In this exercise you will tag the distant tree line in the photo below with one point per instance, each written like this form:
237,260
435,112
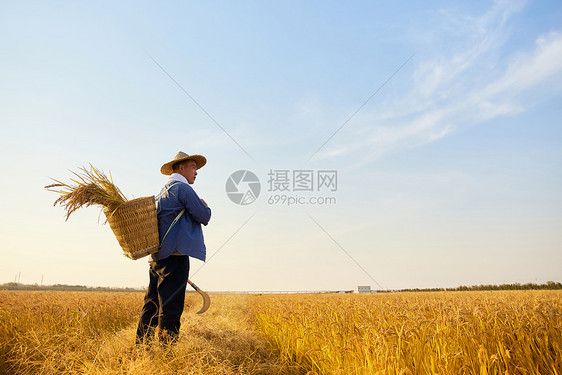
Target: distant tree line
549,285
64,287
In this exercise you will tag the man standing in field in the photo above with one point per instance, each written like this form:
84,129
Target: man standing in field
180,214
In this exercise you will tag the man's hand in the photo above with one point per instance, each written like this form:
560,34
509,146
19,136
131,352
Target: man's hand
205,203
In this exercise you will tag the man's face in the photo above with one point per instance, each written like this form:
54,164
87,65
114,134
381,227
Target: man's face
189,171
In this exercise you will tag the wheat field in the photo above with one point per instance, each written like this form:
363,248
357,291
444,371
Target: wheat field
515,332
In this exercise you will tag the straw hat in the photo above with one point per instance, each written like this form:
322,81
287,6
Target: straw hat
199,160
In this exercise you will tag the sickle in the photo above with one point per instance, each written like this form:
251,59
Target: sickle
206,298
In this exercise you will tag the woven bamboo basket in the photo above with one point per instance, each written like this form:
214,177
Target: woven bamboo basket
135,226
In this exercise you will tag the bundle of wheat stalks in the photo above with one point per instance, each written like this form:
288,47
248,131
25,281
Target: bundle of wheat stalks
92,187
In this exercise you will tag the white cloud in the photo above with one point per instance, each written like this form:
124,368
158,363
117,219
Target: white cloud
530,69
469,86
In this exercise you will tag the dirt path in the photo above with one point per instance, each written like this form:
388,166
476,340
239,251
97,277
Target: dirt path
221,341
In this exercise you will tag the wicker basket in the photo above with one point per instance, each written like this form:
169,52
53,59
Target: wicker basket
135,226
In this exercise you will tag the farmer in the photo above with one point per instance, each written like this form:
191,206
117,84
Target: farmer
181,237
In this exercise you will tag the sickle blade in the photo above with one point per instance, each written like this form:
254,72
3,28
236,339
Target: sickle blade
206,302
206,298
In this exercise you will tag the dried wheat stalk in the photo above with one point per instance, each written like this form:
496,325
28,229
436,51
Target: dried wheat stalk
92,187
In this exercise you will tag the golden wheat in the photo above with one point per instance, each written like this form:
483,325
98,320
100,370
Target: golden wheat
40,330
511,333
418,333
94,333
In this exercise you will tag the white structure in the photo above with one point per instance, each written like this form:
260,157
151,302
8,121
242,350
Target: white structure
363,289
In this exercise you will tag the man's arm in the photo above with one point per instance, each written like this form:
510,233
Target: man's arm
195,206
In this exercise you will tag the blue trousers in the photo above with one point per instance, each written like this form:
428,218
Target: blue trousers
164,299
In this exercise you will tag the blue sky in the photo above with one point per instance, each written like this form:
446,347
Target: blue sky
448,175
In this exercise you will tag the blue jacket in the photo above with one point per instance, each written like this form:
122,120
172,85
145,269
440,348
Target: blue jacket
186,236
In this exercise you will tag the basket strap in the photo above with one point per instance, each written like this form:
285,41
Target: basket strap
168,188
173,222
177,217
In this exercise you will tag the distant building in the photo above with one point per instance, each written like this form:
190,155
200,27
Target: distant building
363,289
